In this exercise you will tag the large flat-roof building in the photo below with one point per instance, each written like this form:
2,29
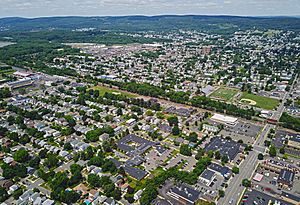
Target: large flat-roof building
293,199
19,83
221,170
294,142
224,119
226,147
184,194
134,145
207,177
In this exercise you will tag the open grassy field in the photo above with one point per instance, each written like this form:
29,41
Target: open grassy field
103,90
261,102
224,93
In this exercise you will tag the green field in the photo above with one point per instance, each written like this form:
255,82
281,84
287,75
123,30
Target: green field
103,90
261,102
224,93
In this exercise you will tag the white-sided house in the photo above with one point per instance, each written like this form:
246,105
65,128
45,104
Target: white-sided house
210,128
130,122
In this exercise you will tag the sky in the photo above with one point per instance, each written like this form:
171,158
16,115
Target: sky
38,8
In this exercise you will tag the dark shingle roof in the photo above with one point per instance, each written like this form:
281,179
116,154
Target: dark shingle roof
226,147
136,173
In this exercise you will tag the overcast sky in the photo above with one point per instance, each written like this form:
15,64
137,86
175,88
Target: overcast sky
36,8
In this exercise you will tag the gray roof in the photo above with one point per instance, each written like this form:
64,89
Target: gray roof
116,162
226,147
290,196
295,138
286,176
186,192
144,144
207,90
220,169
207,174
136,173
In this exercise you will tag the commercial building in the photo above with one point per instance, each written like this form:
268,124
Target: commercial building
224,119
207,177
221,170
226,147
20,83
286,178
294,142
184,194
290,198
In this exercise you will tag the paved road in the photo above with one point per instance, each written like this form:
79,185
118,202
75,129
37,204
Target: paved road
247,168
37,184
263,135
278,113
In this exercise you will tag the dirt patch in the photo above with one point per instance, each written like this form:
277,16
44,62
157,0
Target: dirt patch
248,101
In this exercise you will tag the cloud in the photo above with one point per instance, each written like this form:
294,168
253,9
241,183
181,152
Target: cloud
32,8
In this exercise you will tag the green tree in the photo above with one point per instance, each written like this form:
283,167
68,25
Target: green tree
175,130
246,183
173,120
94,180
193,137
21,155
119,112
69,197
221,193
200,153
68,146
272,151
35,162
51,161
75,168
235,170
3,194
185,150
224,159
217,155
148,195
260,156
16,194
281,150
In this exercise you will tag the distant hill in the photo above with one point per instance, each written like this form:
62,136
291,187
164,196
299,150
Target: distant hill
155,23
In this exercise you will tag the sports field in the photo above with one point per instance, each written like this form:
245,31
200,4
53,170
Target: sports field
224,93
103,90
260,101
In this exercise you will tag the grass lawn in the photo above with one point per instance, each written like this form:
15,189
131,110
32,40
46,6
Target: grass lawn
157,171
224,93
103,90
137,185
262,102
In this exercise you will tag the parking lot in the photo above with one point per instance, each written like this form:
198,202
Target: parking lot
268,184
254,197
153,160
187,163
210,192
246,132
